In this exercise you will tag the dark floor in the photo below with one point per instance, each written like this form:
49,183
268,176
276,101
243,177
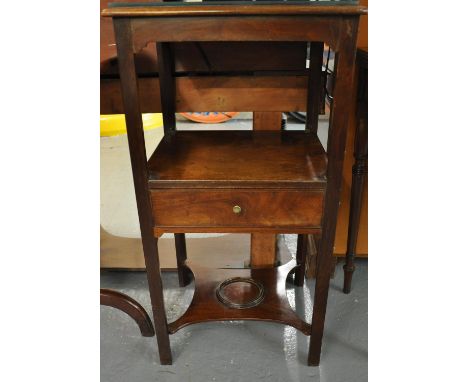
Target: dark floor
236,351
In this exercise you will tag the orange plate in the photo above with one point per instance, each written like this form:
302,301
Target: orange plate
210,116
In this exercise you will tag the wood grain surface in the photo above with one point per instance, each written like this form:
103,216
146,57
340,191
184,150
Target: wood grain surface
243,159
214,208
215,93
234,10
206,307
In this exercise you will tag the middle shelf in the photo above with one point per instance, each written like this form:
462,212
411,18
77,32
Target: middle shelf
272,159
238,181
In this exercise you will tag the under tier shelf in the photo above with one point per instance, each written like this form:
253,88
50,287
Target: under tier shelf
270,301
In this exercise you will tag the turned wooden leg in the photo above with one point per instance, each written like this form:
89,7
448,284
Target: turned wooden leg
131,307
358,180
181,254
359,174
300,259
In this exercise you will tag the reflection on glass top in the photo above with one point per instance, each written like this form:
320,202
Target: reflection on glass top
235,2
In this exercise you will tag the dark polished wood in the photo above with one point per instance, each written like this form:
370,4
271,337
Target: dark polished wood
177,165
131,307
314,103
277,192
221,93
238,57
228,28
314,92
359,171
344,70
263,250
270,121
263,246
300,258
136,143
181,255
234,10
311,257
277,209
160,230
167,82
206,307
243,159
237,60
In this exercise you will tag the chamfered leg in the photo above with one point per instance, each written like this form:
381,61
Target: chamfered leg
136,140
341,109
313,108
314,85
181,255
300,259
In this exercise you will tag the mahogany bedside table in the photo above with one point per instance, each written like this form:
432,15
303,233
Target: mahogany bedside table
236,181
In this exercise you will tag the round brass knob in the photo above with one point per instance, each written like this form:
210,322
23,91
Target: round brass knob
237,209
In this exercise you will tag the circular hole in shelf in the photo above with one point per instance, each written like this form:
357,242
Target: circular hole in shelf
240,293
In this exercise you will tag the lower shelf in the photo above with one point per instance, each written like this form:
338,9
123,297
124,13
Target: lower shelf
259,294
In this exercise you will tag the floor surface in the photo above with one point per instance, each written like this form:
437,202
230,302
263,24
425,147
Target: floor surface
236,351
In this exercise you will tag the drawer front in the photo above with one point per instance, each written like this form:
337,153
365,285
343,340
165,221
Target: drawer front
236,208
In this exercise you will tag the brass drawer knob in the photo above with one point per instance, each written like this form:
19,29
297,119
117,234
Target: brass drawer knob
237,209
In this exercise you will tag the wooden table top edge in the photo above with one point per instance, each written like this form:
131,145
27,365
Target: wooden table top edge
235,10
312,185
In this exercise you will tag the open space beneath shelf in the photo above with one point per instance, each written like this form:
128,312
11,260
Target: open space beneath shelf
238,159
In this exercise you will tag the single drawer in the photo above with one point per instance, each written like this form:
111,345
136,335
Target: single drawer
230,208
